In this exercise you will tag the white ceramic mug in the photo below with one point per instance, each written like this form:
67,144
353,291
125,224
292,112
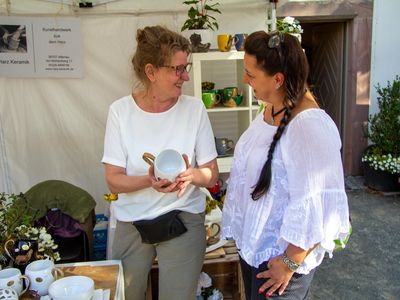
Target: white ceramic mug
12,278
167,165
41,274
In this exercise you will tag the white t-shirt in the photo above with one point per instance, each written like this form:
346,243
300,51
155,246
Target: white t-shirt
131,131
306,203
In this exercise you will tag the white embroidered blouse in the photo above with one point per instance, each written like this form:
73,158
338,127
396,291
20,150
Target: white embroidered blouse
306,203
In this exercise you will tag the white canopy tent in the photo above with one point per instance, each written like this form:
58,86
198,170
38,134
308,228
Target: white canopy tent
52,128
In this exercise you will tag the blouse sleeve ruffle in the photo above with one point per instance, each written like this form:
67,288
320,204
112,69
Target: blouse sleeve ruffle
317,211
321,218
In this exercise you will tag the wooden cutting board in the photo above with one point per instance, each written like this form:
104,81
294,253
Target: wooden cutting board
220,252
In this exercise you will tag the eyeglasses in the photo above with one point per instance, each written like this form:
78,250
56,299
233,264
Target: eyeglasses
179,70
274,42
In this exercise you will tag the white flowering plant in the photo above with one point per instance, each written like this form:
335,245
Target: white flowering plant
289,25
383,162
205,289
46,247
384,130
18,233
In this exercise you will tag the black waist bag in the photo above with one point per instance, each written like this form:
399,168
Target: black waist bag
161,229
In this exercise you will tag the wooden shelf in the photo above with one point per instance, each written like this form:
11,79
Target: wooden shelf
225,69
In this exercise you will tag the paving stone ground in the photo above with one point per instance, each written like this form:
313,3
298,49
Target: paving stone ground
369,267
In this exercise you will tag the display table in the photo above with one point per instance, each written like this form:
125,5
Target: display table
222,265
107,274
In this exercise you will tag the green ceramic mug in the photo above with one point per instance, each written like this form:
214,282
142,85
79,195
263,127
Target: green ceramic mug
210,99
211,91
230,92
238,99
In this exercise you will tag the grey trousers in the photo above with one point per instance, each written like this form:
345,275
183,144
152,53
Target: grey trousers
180,260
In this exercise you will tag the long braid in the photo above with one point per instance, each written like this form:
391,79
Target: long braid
289,59
264,181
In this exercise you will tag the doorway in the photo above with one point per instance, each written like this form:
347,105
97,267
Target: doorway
324,45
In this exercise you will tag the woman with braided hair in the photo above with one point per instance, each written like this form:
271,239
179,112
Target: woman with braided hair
286,202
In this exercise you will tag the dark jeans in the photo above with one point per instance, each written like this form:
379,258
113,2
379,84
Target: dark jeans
297,288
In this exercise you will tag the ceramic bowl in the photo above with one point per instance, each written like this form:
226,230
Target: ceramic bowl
72,288
168,164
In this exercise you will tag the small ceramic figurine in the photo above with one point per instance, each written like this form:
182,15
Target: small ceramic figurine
30,295
197,46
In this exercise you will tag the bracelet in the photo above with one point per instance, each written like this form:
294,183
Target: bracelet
292,265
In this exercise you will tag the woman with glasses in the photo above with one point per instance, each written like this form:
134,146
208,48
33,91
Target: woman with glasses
285,202
156,117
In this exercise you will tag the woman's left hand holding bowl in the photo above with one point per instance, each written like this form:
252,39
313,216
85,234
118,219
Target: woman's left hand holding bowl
162,185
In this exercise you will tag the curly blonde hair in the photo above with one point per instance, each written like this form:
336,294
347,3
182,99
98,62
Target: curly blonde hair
156,45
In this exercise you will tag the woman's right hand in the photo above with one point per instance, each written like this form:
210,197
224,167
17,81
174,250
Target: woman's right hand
162,185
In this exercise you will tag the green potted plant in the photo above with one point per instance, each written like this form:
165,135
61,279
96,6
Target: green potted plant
381,160
200,21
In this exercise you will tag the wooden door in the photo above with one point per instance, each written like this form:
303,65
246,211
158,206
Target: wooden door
326,68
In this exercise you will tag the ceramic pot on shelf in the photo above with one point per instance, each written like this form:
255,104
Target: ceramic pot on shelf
200,39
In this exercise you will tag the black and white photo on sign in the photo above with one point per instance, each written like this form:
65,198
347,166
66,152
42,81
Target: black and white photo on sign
13,38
